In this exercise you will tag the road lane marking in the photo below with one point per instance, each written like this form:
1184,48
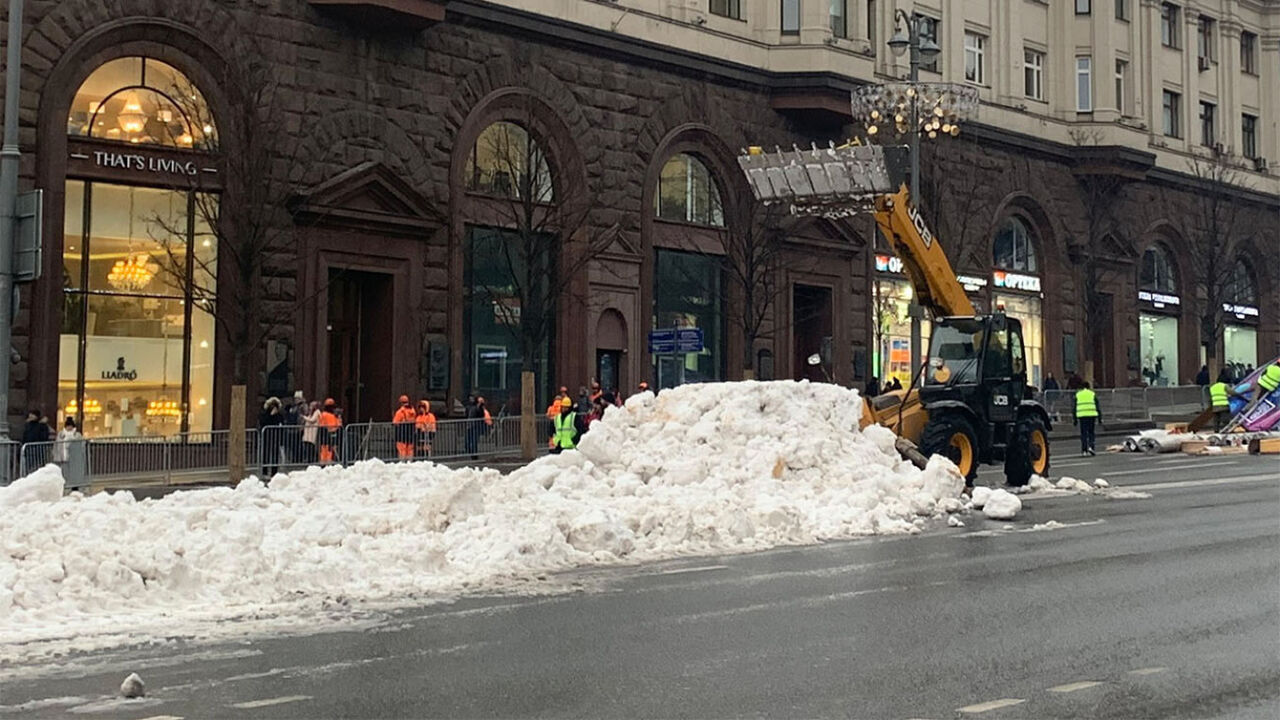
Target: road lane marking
1147,671
993,705
681,571
1164,468
270,701
162,717
1202,483
1072,687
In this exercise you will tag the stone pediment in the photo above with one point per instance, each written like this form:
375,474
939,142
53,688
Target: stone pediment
368,195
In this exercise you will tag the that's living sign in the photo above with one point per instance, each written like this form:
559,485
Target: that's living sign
144,163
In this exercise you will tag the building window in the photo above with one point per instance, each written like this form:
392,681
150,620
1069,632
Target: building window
727,8
1122,9
139,264
1084,7
688,193
1122,69
928,29
871,24
1169,25
687,294
1249,135
1033,74
1204,40
1208,136
839,14
790,17
506,162
1249,53
1172,114
1013,248
1084,84
974,65
1240,287
1157,272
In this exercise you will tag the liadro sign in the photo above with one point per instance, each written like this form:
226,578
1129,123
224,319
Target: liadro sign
117,162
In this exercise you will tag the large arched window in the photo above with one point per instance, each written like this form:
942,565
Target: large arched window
1240,288
1014,249
141,101
139,253
507,162
688,193
1158,272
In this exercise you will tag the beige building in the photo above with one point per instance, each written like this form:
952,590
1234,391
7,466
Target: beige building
1170,78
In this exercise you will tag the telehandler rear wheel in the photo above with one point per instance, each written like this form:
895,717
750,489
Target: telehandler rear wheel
952,436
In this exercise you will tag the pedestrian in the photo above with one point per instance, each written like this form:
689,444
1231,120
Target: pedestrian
1267,382
596,392
1050,383
293,417
1202,377
643,387
329,423
1220,394
477,421
425,425
896,385
566,428
311,433
36,430
271,423
68,452
554,408
584,401
597,412
1087,413
873,387
404,422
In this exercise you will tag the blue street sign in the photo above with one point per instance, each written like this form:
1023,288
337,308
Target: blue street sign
662,341
689,340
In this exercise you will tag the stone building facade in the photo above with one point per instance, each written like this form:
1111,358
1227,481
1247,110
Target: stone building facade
359,164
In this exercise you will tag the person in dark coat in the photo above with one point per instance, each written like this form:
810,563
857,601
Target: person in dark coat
1202,377
475,426
1050,382
271,422
873,386
36,430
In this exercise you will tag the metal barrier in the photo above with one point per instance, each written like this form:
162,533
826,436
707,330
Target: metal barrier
1130,403
11,457
450,440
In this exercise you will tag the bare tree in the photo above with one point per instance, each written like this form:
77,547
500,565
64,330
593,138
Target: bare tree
542,239
1216,224
954,200
754,261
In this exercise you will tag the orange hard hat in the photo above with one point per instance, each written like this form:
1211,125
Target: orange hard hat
567,402
644,386
329,401
404,399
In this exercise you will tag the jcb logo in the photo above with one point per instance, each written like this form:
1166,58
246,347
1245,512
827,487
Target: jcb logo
921,228
1000,400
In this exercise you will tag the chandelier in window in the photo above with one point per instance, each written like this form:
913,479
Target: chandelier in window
132,118
933,108
133,273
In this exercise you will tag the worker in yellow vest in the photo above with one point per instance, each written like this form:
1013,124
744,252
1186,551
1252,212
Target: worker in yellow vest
567,427
1269,381
1220,394
1087,414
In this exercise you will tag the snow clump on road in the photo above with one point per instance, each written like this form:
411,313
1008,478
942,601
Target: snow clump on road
1001,505
699,469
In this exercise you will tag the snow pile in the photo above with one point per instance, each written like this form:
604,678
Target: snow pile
729,467
1001,505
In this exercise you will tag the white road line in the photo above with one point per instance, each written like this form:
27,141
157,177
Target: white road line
1077,463
162,717
1072,687
1147,671
1165,468
1201,483
270,701
993,705
681,571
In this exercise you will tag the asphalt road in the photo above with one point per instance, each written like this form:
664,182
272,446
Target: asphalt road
1166,607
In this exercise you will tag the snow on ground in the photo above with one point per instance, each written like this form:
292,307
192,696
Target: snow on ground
699,469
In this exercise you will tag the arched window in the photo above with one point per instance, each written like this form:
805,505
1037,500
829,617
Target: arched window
1014,249
507,162
1158,272
688,193
144,102
1240,289
139,253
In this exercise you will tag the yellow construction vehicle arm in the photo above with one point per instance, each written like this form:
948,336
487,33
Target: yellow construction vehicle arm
922,256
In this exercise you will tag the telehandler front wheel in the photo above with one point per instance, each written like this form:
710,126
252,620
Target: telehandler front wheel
953,437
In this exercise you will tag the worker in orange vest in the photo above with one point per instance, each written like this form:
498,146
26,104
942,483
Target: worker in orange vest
426,425
329,425
404,422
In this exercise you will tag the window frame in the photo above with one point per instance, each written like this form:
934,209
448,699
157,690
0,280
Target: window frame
1208,123
1204,39
1085,73
1084,7
1169,35
931,25
1171,114
1158,252
1019,230
839,23
1249,53
978,53
794,6
1249,135
1122,10
715,215
1122,71
731,9
1033,71
533,152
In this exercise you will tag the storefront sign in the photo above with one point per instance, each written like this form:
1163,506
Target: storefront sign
971,283
114,162
143,163
1240,311
889,264
1158,300
1014,281
120,373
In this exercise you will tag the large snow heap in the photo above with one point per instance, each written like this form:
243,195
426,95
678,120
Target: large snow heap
698,469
